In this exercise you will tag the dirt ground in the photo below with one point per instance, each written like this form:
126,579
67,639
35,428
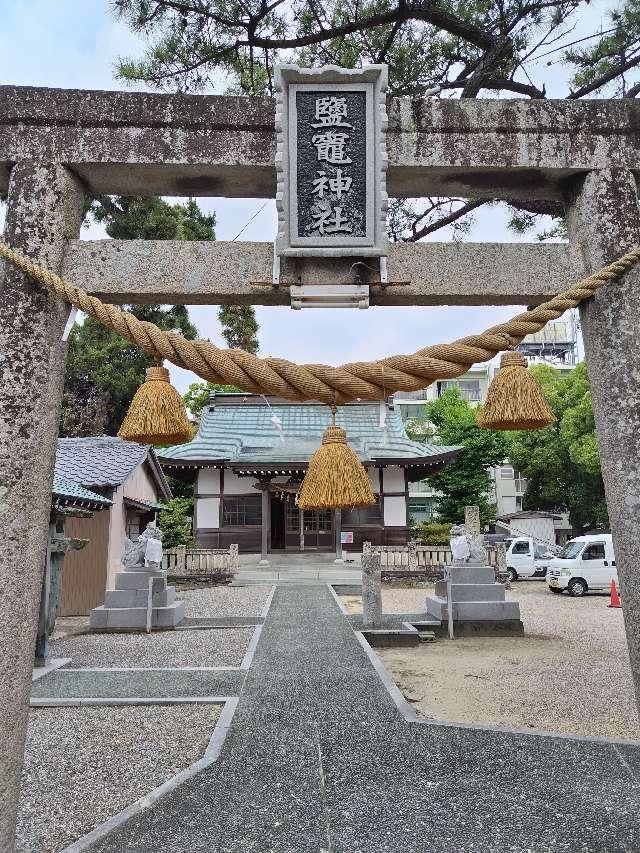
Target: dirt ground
569,672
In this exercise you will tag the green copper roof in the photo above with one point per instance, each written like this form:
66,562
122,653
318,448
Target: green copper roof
254,432
69,492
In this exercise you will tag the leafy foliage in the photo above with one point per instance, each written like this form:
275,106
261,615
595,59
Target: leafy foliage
197,396
466,481
431,533
562,462
609,57
176,522
104,371
136,218
464,49
239,327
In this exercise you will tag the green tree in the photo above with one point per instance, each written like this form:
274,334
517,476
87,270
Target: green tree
431,533
176,523
467,480
239,327
197,396
562,463
477,48
104,371
136,218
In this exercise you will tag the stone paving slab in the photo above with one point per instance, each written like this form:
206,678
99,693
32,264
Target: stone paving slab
137,684
319,758
263,795
417,787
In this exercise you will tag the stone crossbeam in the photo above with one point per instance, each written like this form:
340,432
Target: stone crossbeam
140,143
192,273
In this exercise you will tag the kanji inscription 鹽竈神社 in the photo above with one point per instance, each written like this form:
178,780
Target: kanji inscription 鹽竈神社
331,161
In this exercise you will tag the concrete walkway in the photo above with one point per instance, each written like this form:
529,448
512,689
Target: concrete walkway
319,758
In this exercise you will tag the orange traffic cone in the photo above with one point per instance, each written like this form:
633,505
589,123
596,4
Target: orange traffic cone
615,598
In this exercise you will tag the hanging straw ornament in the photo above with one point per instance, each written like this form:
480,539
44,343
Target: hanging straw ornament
335,477
157,414
515,399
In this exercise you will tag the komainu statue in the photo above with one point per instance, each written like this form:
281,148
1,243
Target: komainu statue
146,552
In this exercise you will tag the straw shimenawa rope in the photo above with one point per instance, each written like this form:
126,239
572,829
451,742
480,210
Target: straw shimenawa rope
373,380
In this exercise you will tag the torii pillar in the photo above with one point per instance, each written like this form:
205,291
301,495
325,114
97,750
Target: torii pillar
44,211
603,219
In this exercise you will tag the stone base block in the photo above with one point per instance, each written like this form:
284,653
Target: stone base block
391,639
503,628
471,591
474,611
138,597
472,574
135,618
137,580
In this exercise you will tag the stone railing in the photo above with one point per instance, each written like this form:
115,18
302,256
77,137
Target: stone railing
415,557
204,563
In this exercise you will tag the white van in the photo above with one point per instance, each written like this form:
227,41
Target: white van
527,558
585,563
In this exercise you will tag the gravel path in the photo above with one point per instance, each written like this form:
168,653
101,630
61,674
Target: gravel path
83,765
224,601
569,673
218,647
401,600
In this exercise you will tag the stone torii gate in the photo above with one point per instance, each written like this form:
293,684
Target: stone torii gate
58,145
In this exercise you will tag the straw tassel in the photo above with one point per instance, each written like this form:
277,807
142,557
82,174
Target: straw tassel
515,400
335,477
157,413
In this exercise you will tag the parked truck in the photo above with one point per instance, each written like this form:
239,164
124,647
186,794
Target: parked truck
527,558
586,563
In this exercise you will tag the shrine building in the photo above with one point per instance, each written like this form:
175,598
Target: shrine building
249,457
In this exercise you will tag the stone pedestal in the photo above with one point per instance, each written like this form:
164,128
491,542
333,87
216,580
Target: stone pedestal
477,600
125,607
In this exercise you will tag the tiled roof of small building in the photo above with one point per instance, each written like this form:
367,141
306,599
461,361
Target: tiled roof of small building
271,434
69,492
104,461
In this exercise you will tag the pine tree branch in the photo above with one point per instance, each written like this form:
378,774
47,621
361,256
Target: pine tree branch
427,12
419,233
605,78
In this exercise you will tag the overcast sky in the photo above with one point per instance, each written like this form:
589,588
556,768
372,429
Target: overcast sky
53,43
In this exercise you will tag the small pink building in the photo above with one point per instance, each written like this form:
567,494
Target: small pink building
130,476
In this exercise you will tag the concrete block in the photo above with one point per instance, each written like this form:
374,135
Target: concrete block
138,597
98,619
471,591
127,617
168,617
472,574
503,628
474,611
137,580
